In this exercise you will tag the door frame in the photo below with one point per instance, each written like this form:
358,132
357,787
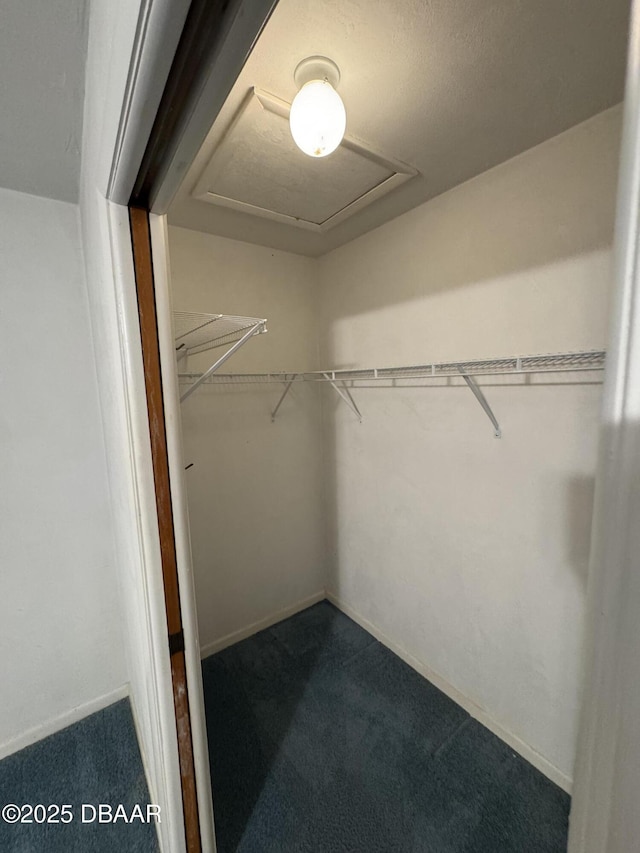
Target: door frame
187,701
173,422
216,34
607,746
604,815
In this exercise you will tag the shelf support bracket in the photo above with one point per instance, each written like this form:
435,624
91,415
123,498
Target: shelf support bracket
284,394
477,392
253,330
345,394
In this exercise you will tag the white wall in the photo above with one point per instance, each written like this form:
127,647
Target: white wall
256,488
60,626
470,553
42,56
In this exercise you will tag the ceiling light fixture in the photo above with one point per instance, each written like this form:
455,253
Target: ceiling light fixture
317,119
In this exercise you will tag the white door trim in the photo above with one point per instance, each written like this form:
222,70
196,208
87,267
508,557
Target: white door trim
141,583
605,817
160,24
173,425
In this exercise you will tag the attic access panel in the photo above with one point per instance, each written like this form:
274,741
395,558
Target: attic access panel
258,169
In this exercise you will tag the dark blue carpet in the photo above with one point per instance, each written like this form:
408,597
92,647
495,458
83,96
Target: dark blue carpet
94,761
323,740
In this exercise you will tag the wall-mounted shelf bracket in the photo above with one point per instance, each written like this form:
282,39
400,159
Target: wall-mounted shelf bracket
477,392
287,387
197,333
344,394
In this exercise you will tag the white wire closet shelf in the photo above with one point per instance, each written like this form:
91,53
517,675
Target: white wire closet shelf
552,363
198,332
344,380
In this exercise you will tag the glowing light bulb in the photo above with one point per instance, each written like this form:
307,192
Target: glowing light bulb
317,119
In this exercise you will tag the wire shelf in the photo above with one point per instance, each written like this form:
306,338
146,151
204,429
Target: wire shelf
195,332
551,363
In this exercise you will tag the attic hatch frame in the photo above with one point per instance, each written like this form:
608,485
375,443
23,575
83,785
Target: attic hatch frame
218,36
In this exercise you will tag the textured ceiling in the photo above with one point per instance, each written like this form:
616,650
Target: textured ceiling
256,167
42,57
450,87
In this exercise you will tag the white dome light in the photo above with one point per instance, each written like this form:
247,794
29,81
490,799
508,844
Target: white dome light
317,119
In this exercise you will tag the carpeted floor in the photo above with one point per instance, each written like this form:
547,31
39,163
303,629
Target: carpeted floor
322,740
94,761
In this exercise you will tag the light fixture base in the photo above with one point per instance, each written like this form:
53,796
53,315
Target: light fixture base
316,68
